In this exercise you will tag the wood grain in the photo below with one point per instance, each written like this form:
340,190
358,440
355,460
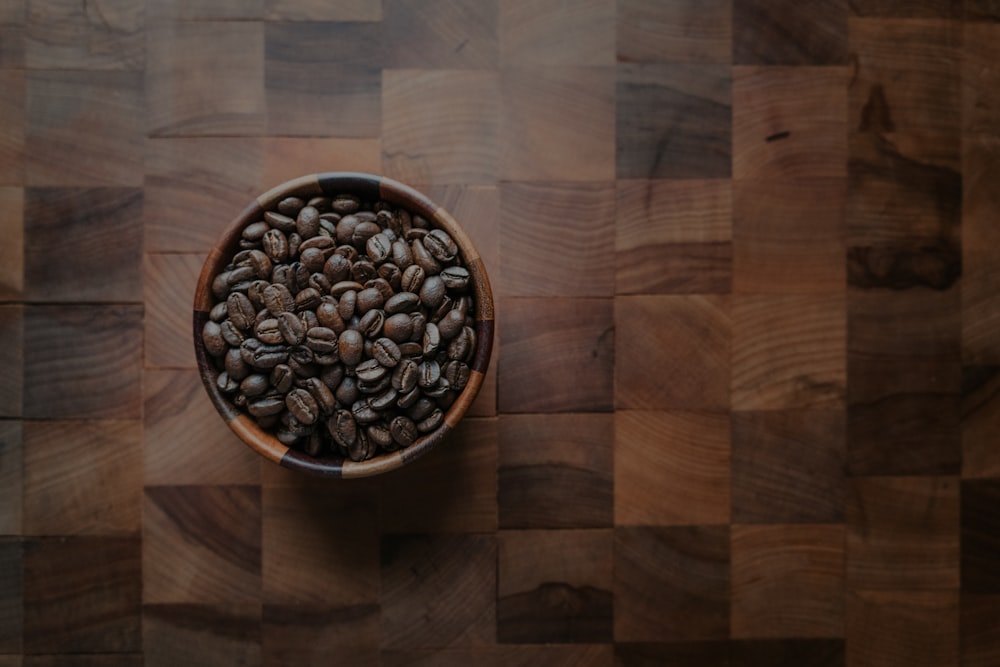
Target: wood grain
80,244
980,421
441,34
12,329
980,104
303,635
13,17
71,36
981,10
11,595
944,9
673,236
322,10
980,257
896,628
12,114
980,634
556,33
168,283
903,533
285,158
82,478
681,32
555,586
980,535
787,652
11,476
555,239
787,581
671,468
201,635
766,32
557,655
193,10
556,471
677,654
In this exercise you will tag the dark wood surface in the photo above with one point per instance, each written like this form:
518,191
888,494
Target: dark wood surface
744,405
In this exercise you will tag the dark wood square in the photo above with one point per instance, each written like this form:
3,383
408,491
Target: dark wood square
693,140
693,653
546,459
787,653
903,533
557,32
671,583
83,660
918,628
305,635
980,254
169,280
539,142
980,630
673,236
687,31
201,635
981,536
545,597
504,655
12,330
561,247
95,115
456,485
322,10
788,466
12,115
195,10
12,251
672,352
59,378
561,355
981,10
82,244
67,462
201,544
787,581
441,34
905,377
13,17
463,150
205,78
786,32
63,35
11,594
671,468
438,590
980,102
65,612
313,68
919,9
11,476
790,122
789,236
980,421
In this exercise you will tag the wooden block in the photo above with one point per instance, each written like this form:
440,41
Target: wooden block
788,351
981,10
66,461
302,635
84,128
788,466
13,17
677,654
907,78
71,36
314,68
790,122
693,141
673,237
200,635
194,10
671,468
12,250
95,377
903,533
12,111
788,236
672,352
201,544
438,590
561,655
671,583
980,102
82,244
554,32
323,10
787,581
555,471
84,660
679,32
980,421
286,158
560,355
11,477
464,150
441,34
185,439
980,630
557,123
194,187
897,628
903,398
943,9
66,611
331,534
456,484
554,586
12,358
980,254
787,652
561,247
11,595
980,536
168,282
205,78
766,32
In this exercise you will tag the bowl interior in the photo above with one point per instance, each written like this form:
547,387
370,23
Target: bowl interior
371,188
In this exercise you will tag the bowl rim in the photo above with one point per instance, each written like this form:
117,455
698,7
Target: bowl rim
366,186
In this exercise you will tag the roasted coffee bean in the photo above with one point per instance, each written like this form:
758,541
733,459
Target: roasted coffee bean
457,374
279,221
291,328
347,391
409,398
313,259
284,436
290,205
314,445
432,339
384,399
342,428
460,347
322,340
345,229
404,430
260,263
255,231
332,375
269,332
350,345
326,313
404,302
380,434
320,242
398,327
455,277
308,299
259,355
283,274
432,292
307,222
370,371
391,274
451,324
302,370
211,335
419,327
233,336
349,252
278,299
219,312
345,204
447,399
428,373
371,324
412,279
362,449
240,310
275,245
441,246
411,349
386,352
234,364
369,298
226,384
438,390
319,201
301,355
420,409
375,386
302,406
402,256
363,270
364,231
423,258
256,293
431,422
321,394
320,283
337,268
281,378
268,405
339,289
254,385
347,304
363,412
378,247
405,375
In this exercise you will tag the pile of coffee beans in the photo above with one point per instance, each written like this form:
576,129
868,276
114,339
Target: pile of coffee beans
343,326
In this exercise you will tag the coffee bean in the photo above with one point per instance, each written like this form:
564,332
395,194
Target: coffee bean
342,287
455,277
313,259
268,405
363,412
379,434
326,313
269,332
457,374
386,352
403,430
383,400
234,364
461,347
314,445
307,222
240,310
332,375
302,406
378,247
404,302
372,323
281,378
342,428
432,292
364,231
345,204
370,371
322,340
321,394
432,339
440,245
405,375
428,373
423,258
259,355
412,279
347,304
420,409
369,298
337,268
284,274
307,299
350,345
431,422
409,398
451,324
411,349
232,335
290,205
363,270
279,221
255,231
226,384
362,449
211,335
398,327
275,244
254,385
291,328
278,299
375,386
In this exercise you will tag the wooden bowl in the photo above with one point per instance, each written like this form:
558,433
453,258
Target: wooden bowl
367,187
